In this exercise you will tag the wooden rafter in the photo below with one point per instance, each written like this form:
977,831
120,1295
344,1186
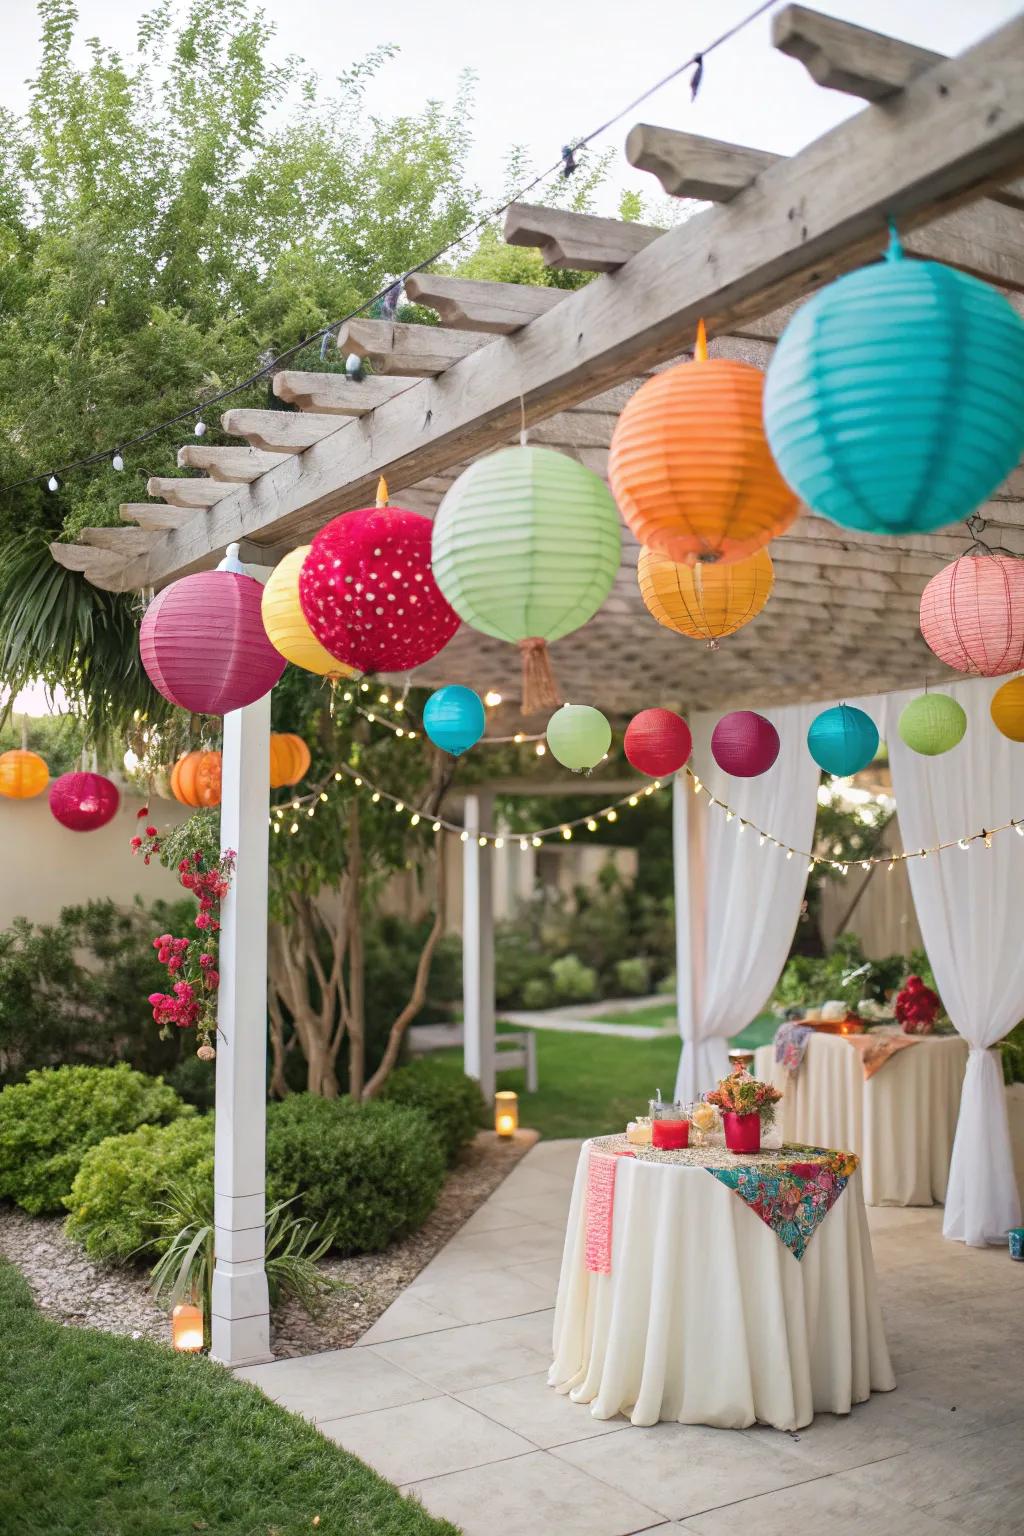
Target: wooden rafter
418,350
468,305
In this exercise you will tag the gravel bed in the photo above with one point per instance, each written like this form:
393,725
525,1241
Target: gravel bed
74,1290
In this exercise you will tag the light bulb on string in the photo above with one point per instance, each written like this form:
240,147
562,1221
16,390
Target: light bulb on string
414,819
436,827
200,428
523,845
537,842
117,462
591,825
540,749
482,841
492,698
375,797
499,842
567,833
464,837
53,484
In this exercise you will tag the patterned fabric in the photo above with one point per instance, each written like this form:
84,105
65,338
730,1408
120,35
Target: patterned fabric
601,1168
875,1049
793,1192
790,1045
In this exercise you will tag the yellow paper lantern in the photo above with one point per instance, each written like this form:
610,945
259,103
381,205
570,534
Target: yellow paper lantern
1007,709
289,758
286,626
705,601
22,774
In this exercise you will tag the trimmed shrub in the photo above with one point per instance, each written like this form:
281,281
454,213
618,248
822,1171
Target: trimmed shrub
117,1199
49,1122
633,977
574,981
538,993
371,1172
452,1102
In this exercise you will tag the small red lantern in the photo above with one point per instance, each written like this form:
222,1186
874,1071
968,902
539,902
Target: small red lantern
972,614
657,742
203,644
82,802
368,592
744,744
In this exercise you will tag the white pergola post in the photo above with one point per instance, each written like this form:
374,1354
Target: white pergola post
240,1323
688,895
478,945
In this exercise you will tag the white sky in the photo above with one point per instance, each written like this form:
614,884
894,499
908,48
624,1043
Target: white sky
550,70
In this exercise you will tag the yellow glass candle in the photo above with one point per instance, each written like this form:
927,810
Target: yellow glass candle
187,1328
506,1114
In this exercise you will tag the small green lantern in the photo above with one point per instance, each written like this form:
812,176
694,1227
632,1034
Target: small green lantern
932,724
578,736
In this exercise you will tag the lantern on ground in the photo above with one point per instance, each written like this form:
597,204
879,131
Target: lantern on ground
705,602
526,546
82,802
690,465
972,614
506,1113
285,622
203,644
744,744
368,591
842,740
895,398
196,778
187,1328
23,774
932,724
657,742
454,719
578,736
289,758
1007,709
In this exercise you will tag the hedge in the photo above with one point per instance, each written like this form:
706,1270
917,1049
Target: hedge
454,1104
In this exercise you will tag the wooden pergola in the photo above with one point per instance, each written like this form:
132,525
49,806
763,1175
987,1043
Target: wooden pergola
936,148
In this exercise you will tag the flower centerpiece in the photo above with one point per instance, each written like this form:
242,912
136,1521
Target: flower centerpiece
745,1104
916,1007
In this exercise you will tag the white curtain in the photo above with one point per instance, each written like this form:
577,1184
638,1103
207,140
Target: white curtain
737,903
970,906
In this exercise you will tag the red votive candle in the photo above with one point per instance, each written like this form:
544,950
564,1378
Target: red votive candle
670,1135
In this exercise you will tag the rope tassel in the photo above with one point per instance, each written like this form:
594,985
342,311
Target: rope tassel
540,687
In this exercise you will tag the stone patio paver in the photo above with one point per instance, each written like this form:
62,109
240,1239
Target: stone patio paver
446,1395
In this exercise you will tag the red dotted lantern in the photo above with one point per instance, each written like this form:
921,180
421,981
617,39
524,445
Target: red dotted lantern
84,801
744,744
657,742
203,644
368,592
972,614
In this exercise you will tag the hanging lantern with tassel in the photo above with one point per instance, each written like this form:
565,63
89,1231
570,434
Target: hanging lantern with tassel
368,592
690,465
285,622
526,546
705,602
972,614
578,737
23,774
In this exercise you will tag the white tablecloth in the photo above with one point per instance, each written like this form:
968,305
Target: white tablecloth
900,1122
707,1317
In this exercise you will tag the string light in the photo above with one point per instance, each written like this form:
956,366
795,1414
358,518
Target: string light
117,462
492,698
200,428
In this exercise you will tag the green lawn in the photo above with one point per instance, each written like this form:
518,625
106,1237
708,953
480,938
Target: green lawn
109,1436
655,1015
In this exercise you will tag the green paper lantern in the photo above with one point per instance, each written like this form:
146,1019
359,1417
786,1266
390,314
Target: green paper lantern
578,736
932,724
525,548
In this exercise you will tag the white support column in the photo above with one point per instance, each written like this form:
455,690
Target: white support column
478,946
688,894
241,1311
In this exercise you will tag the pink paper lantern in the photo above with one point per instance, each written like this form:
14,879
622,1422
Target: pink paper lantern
744,744
657,742
203,644
83,801
368,592
972,614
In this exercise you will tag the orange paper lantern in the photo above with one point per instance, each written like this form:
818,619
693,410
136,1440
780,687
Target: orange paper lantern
195,778
1007,709
22,774
690,465
705,601
289,759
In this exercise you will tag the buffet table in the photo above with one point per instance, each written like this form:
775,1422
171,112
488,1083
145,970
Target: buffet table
901,1122
678,1301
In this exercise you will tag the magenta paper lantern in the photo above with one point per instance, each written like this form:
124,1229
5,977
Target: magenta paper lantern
972,614
83,801
203,644
744,744
368,592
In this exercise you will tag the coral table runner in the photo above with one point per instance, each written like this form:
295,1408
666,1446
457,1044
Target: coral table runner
876,1049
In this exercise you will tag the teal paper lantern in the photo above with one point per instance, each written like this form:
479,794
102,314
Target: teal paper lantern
895,400
454,719
932,724
842,740
578,736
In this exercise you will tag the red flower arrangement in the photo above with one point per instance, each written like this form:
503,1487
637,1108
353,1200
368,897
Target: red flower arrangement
191,964
916,1007
741,1094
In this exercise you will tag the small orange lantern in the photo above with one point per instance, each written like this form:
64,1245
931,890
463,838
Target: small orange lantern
187,1328
195,778
22,774
690,465
506,1113
705,601
289,759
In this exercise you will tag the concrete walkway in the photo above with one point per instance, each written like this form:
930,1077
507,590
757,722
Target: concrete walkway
446,1396
577,1019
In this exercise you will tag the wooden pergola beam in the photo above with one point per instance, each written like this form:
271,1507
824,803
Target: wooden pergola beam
151,515
284,432
578,241
335,394
184,492
688,165
467,304
421,351
237,465
843,57
946,136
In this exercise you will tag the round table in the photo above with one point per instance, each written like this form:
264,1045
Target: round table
706,1316
900,1122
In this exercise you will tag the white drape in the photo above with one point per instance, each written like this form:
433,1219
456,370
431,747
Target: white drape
970,906
737,903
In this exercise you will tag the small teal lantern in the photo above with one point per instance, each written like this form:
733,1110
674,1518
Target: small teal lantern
895,400
842,740
454,719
